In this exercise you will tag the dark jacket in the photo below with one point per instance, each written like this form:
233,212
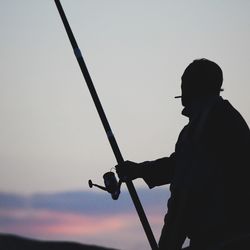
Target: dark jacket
208,175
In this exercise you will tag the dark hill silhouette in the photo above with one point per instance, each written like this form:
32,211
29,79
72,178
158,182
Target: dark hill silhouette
13,242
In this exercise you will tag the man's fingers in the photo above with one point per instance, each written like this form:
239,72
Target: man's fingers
123,171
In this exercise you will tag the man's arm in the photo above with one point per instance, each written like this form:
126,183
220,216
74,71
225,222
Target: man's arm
160,171
154,173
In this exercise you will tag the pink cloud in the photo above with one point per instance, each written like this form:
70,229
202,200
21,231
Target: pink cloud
45,222
51,218
71,224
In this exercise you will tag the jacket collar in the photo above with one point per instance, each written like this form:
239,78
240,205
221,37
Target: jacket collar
199,105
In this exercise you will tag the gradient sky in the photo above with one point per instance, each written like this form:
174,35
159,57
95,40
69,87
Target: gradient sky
136,51
51,138
89,218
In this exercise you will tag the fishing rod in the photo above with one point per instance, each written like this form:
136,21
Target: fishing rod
107,128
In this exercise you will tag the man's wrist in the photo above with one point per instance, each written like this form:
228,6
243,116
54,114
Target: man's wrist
142,168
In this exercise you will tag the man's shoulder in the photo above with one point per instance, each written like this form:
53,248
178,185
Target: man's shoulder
226,117
225,110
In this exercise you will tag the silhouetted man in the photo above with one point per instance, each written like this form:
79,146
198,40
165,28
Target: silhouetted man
208,172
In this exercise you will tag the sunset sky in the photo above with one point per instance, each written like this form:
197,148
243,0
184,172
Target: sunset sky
52,140
89,218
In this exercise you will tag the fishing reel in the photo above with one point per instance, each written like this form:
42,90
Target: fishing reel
112,186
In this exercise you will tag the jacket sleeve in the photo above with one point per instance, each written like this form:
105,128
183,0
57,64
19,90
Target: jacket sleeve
159,172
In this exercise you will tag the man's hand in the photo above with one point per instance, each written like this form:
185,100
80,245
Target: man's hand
129,170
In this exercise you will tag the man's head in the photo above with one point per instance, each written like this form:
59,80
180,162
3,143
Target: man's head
200,79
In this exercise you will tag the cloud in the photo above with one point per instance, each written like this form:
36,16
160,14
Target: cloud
8,200
83,202
84,216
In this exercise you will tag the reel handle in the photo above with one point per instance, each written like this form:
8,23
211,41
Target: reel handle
91,184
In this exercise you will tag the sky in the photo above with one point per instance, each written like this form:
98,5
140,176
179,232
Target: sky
89,218
52,139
